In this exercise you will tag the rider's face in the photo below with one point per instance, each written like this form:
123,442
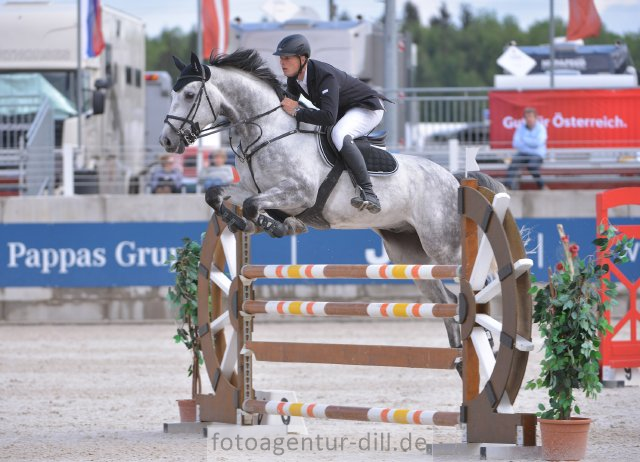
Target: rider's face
291,65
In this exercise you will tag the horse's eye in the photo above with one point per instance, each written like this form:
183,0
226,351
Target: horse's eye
189,94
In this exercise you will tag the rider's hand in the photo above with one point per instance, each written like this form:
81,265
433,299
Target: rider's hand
289,105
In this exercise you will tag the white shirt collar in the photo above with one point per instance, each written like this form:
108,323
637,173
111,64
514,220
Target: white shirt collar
303,82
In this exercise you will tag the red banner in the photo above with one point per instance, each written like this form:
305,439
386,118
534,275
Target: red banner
215,27
573,118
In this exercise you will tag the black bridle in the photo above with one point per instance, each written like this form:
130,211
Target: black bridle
191,133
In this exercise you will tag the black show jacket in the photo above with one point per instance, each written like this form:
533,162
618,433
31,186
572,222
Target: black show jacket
333,92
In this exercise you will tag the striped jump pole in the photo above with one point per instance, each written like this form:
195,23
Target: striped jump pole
422,272
364,414
371,310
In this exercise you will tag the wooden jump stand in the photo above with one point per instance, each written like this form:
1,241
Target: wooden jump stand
490,384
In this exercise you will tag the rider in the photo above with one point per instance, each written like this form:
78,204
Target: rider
345,101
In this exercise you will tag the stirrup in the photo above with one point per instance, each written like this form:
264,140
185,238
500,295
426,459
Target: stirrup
361,202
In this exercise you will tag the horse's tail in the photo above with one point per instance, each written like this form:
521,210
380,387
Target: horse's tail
483,180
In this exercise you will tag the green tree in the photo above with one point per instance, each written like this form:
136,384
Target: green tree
466,15
464,54
444,18
411,15
170,42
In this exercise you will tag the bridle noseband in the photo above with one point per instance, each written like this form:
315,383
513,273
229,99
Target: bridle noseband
191,133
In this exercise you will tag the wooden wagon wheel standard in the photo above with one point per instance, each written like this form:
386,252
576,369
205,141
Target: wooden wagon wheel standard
489,415
220,260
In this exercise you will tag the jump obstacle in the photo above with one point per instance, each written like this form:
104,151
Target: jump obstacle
490,384
620,353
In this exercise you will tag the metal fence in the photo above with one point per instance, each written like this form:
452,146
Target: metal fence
437,123
16,118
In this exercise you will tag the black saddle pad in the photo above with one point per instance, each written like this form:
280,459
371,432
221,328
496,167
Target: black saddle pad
379,161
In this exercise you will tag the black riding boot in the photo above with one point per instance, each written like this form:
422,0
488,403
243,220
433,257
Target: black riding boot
354,160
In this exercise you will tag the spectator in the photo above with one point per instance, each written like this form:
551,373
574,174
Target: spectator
530,140
219,173
166,178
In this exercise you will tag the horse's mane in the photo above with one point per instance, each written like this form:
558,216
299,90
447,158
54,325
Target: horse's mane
249,61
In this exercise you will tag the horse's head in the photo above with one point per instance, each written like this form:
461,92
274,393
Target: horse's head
192,106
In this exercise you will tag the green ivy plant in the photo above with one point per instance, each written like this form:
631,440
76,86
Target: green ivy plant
184,297
569,311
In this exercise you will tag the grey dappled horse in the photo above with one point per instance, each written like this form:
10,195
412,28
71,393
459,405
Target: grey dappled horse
282,169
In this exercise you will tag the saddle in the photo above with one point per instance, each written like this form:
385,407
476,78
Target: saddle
378,160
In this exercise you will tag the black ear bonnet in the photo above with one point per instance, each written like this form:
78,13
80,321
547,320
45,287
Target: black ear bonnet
192,72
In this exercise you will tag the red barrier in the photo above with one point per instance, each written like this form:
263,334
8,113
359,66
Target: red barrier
574,118
621,353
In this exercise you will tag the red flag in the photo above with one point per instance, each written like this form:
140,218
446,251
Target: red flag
215,27
584,20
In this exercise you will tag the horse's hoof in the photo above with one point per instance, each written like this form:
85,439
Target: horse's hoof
295,226
213,197
250,209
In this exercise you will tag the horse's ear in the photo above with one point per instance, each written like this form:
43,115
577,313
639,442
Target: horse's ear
179,64
195,62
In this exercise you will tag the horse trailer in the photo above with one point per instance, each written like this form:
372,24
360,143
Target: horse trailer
39,59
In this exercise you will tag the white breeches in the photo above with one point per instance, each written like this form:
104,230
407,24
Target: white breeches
356,122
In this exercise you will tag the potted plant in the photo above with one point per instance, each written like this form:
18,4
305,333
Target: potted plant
569,311
184,297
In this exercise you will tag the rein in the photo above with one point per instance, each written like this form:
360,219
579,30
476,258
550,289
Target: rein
245,155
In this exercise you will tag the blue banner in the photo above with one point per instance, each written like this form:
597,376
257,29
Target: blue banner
91,254
134,254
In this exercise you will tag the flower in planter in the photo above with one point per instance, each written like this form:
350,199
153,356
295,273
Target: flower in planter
569,311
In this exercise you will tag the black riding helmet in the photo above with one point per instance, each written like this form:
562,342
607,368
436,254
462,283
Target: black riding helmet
293,45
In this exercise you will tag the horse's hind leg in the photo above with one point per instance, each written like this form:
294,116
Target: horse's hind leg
405,247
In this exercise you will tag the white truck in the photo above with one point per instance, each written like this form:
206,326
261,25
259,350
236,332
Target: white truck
39,58
575,66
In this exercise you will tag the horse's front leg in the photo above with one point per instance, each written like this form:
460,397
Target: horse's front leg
215,197
286,195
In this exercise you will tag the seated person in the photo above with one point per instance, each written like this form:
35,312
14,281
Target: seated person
530,140
219,173
167,178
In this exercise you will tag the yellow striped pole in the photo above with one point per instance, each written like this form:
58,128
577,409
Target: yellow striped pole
421,272
372,310
365,414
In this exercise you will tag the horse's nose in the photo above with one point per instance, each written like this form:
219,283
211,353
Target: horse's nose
165,142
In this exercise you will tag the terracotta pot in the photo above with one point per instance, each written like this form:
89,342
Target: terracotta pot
187,409
564,439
